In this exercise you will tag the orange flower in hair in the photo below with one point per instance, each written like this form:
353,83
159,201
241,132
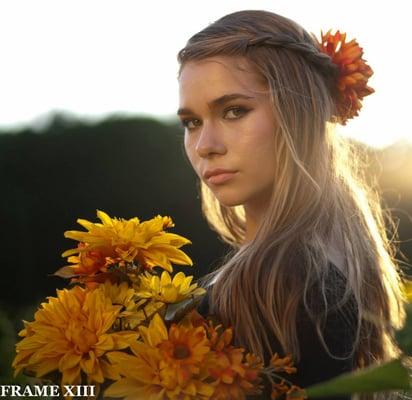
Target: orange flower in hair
353,74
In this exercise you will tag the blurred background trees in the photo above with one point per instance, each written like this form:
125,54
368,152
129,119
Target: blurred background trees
125,167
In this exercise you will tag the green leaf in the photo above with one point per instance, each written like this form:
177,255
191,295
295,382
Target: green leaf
177,311
389,376
65,272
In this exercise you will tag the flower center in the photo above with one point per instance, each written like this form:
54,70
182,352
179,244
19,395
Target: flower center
181,351
83,340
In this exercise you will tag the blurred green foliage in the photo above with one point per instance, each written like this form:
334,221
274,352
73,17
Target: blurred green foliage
125,167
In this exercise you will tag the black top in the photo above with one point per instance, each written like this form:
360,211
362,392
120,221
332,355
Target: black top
315,364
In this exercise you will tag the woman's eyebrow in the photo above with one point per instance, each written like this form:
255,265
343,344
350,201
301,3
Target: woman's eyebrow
216,102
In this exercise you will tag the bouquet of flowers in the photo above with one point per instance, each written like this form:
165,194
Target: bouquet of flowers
128,327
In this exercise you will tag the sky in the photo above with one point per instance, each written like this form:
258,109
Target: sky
92,59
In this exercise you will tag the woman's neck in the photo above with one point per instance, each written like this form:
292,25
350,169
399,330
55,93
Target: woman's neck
253,219
254,213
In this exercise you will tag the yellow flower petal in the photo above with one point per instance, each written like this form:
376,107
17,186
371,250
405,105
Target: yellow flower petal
69,360
104,218
155,333
145,243
132,388
71,332
71,376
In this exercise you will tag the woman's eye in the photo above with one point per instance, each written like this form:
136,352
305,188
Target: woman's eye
230,113
186,123
236,112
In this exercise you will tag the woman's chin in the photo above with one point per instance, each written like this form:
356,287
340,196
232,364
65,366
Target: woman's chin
229,201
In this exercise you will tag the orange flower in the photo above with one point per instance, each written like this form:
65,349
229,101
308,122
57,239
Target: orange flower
282,364
353,74
89,267
283,388
296,393
89,263
145,243
236,375
166,364
279,389
184,350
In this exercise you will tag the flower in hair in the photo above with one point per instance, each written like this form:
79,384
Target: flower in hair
353,74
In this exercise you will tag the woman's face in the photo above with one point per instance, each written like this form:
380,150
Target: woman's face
229,130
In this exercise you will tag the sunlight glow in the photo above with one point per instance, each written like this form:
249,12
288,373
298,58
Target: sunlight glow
96,58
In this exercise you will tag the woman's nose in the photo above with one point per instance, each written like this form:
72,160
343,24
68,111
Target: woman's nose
210,141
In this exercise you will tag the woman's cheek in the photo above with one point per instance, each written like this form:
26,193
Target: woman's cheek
189,148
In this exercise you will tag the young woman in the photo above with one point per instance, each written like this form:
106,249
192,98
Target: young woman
312,272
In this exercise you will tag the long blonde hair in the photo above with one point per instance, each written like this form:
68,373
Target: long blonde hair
320,192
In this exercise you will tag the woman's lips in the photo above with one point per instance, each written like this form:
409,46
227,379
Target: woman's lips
220,178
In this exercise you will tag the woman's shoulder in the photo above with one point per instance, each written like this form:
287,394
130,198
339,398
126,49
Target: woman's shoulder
335,284
335,305
325,350
336,302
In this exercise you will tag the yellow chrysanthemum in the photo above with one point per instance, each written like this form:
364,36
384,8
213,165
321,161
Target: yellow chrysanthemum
71,334
183,347
166,365
166,289
120,294
145,243
135,310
